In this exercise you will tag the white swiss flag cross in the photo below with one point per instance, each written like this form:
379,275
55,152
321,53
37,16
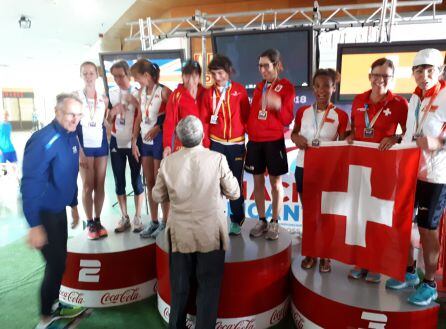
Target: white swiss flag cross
358,205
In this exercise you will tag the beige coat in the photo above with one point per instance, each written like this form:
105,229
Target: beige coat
195,180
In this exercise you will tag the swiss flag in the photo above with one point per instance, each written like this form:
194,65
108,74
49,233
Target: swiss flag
358,204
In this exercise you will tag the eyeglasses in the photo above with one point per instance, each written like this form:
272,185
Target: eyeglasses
72,115
379,76
265,66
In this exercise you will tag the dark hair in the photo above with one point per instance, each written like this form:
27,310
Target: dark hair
121,64
191,66
383,61
221,62
89,63
275,58
144,66
333,75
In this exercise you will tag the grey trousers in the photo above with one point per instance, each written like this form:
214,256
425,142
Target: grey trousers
207,270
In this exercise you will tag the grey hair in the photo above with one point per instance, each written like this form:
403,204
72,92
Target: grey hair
190,131
60,99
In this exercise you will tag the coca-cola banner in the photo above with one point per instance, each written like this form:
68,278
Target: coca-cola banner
107,298
263,320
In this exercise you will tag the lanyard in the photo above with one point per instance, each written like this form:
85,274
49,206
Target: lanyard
265,93
120,93
149,101
369,124
88,104
426,110
318,127
215,106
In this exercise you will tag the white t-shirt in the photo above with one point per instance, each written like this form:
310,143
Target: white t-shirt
336,123
92,119
432,166
123,125
150,112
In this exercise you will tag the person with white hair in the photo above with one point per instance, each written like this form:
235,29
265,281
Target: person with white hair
49,185
426,125
194,180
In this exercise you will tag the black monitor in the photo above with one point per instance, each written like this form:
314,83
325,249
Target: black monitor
169,62
244,48
354,61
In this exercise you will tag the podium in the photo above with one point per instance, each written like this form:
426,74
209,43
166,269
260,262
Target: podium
255,288
117,270
332,300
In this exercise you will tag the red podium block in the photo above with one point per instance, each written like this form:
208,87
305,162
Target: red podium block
255,288
332,300
117,270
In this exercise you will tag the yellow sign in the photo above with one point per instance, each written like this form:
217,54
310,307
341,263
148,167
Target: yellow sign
356,69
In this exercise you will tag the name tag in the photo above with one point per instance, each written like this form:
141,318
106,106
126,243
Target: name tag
122,121
92,124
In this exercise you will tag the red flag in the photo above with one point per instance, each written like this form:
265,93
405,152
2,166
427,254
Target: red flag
358,205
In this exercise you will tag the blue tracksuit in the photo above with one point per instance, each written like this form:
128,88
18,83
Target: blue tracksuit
50,168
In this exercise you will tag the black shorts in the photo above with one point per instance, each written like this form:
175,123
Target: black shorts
430,202
262,155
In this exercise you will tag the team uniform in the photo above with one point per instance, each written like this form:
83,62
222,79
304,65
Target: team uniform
373,122
180,105
121,143
49,184
266,146
427,116
318,126
224,113
91,129
153,113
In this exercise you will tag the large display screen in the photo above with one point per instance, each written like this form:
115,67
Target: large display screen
169,62
244,48
354,61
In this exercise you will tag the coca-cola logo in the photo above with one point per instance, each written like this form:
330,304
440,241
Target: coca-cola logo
73,297
278,315
298,320
128,296
189,322
242,324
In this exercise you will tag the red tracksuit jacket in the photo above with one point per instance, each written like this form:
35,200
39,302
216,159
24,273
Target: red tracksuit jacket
272,128
232,115
180,104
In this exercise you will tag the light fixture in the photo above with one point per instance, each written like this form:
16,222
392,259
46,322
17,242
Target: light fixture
24,22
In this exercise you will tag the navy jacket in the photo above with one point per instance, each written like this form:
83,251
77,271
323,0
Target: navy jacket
50,168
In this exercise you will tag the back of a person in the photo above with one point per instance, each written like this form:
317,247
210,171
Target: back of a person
195,190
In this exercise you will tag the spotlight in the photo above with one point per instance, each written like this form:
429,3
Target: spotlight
24,22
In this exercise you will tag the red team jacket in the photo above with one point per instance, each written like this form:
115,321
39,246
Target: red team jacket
180,104
272,128
387,122
232,116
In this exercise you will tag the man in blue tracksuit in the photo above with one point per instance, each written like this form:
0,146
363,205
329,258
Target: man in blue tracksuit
49,184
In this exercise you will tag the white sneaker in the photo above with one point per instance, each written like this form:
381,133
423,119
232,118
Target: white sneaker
260,229
137,224
123,224
273,231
